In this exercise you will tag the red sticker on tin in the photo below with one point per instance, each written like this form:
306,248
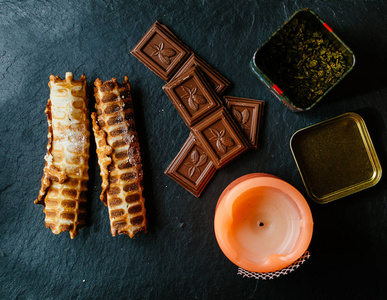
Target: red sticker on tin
277,89
327,27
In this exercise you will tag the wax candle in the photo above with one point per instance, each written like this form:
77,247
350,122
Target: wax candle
262,223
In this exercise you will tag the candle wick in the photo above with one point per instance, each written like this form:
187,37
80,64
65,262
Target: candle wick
261,224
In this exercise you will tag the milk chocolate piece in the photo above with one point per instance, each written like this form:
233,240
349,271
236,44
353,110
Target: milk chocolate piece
192,168
161,51
216,81
222,140
248,114
192,96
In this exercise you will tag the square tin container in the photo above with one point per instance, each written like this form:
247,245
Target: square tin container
336,158
275,87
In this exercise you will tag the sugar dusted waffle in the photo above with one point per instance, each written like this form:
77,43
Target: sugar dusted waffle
65,175
118,152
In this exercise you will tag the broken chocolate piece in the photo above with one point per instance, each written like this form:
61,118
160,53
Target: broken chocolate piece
248,114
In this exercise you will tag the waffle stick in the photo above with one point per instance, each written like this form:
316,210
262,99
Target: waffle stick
118,152
65,175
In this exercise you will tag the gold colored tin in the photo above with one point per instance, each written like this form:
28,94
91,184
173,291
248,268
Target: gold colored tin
336,158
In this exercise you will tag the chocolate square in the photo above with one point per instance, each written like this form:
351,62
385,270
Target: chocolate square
191,168
161,51
216,81
192,96
248,114
221,138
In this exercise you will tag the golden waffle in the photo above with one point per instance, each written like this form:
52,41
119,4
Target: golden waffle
65,175
118,152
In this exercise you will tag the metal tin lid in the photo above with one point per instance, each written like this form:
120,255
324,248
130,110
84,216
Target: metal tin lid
336,158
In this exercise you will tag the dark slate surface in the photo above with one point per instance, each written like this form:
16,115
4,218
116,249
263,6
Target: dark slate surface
179,257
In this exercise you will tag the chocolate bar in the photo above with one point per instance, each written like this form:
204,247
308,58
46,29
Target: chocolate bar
161,51
168,57
248,114
220,137
192,96
192,168
216,81
193,88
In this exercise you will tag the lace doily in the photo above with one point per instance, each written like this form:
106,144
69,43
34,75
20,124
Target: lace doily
276,274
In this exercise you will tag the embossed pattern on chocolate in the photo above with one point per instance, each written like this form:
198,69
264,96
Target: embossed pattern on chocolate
249,114
161,51
221,139
191,168
164,55
242,117
194,100
119,157
197,161
192,96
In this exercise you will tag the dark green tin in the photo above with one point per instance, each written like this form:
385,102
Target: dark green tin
262,58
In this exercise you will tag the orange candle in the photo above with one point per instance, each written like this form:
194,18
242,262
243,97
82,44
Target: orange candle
262,223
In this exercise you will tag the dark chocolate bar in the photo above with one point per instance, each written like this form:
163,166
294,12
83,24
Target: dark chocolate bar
192,96
248,114
217,81
222,140
192,168
161,51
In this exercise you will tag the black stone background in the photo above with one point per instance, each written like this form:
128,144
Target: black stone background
179,257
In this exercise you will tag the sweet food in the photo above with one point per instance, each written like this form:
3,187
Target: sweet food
161,51
192,96
218,82
222,140
192,168
65,174
119,158
248,113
